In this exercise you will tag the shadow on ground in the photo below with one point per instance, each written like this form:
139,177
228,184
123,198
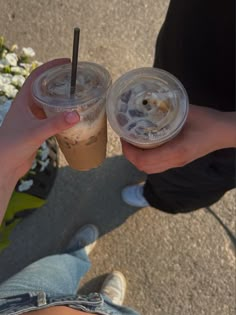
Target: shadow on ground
77,198
228,232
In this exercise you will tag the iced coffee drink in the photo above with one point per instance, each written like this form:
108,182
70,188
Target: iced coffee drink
147,107
84,145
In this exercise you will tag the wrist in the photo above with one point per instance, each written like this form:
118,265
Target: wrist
7,185
8,159
8,172
227,127
7,179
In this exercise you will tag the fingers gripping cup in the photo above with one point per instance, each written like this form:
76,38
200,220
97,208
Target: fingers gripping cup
83,145
147,107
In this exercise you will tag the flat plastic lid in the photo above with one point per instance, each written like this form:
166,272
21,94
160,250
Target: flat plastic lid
52,88
147,106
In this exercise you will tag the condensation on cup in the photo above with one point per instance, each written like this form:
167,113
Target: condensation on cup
83,145
147,107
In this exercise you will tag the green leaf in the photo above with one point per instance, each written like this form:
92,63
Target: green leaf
5,232
7,69
1,41
21,201
23,59
18,203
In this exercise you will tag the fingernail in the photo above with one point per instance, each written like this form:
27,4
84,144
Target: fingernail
71,117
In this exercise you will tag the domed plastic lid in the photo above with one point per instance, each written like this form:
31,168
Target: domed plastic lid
52,88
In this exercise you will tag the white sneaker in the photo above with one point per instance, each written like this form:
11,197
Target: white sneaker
114,287
85,238
133,196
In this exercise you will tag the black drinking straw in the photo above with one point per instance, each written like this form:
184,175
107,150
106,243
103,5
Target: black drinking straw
74,60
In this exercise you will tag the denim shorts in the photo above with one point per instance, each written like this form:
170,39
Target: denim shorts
91,303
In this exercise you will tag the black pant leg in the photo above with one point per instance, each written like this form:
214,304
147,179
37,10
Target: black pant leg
196,185
200,52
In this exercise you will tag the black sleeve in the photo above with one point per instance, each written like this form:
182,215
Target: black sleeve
197,45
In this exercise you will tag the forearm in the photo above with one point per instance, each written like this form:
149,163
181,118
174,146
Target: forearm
206,130
227,129
7,184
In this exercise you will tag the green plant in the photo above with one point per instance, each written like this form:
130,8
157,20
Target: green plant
15,67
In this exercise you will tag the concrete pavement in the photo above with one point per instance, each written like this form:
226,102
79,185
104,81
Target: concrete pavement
178,265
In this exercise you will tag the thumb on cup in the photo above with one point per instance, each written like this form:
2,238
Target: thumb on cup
56,124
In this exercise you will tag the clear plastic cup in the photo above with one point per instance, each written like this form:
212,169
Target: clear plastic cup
83,145
147,107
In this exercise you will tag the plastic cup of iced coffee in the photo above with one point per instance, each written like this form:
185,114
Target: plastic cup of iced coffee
147,107
83,145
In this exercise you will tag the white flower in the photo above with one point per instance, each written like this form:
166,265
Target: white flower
44,151
26,66
9,90
5,78
19,70
28,52
44,154
34,164
4,108
25,184
44,145
4,53
43,165
11,59
18,80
